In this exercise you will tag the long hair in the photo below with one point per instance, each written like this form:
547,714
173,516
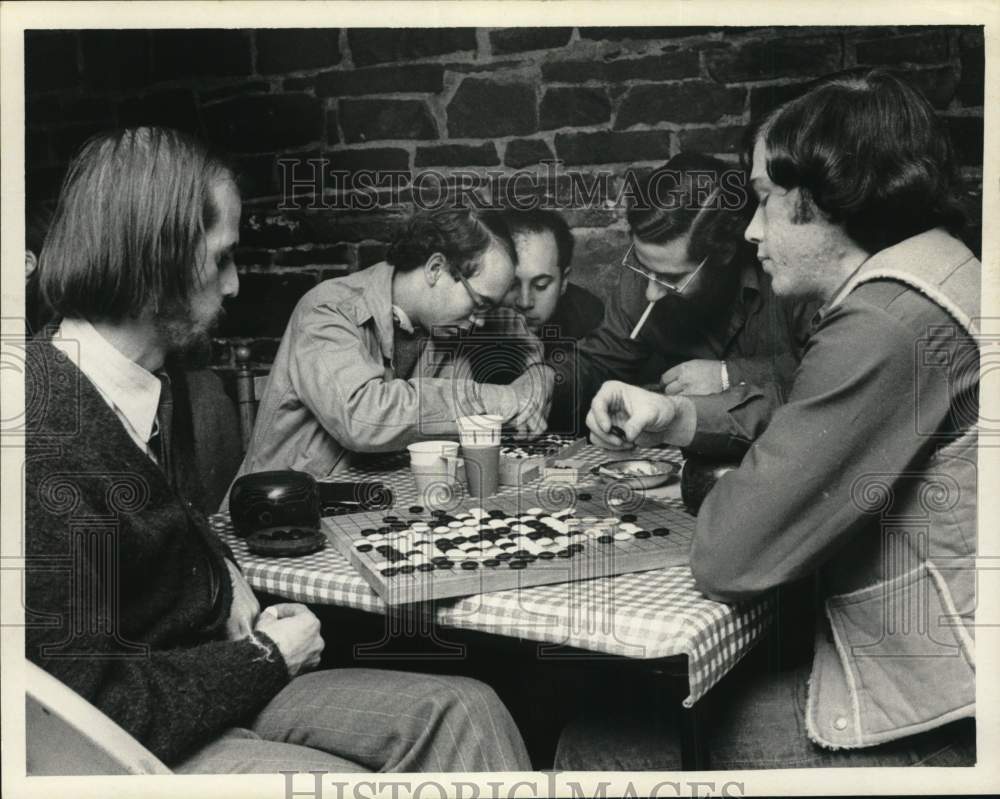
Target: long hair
130,221
696,195
459,235
871,154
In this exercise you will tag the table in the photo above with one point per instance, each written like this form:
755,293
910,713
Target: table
649,615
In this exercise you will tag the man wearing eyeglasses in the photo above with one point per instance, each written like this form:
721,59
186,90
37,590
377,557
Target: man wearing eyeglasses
694,313
372,362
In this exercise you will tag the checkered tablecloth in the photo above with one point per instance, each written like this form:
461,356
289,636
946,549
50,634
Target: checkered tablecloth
652,614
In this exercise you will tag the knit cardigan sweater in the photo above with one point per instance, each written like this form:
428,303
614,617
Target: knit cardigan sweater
128,592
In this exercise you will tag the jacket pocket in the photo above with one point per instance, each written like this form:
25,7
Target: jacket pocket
908,660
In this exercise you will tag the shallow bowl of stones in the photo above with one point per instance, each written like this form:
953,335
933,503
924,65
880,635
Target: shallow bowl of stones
638,472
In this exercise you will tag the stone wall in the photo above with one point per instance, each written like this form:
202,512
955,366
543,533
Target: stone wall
338,132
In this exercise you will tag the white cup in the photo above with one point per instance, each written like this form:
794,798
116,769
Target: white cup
430,453
480,429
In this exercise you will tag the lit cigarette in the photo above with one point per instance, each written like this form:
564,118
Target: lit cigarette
642,320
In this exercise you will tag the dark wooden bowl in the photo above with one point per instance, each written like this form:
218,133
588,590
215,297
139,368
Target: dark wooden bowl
279,499
698,476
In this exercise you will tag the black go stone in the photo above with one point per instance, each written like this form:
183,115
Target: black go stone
407,569
503,556
384,530
529,558
629,517
521,553
383,549
416,509
438,513
497,514
446,564
470,565
574,548
546,555
517,564
368,531
390,518
534,536
643,534
425,567
459,539
439,559
364,547
491,562
564,553
583,496
661,531
605,539
391,571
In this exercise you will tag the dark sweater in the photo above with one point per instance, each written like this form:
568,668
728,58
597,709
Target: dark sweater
127,588
578,313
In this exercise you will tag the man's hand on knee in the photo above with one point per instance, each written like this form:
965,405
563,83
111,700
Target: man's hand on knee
295,631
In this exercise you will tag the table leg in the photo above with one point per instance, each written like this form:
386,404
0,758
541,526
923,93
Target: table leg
694,746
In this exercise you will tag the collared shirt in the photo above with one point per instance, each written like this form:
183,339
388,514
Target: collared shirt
130,391
334,390
402,319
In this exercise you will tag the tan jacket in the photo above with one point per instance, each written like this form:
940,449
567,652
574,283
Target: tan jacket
332,388
898,655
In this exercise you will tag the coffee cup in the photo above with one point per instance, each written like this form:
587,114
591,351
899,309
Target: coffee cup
429,453
480,429
482,468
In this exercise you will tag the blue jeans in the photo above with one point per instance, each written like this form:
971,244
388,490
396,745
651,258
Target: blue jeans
755,723
367,720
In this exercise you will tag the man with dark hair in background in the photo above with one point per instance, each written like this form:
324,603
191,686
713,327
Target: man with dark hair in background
693,312
555,310
866,479
371,362
542,292
145,613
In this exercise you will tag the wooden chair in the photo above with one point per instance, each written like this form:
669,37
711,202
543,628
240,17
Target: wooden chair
249,390
66,735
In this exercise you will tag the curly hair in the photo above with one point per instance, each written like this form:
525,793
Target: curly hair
697,195
129,224
870,153
459,235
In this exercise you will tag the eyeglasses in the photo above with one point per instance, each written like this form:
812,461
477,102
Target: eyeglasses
629,261
480,305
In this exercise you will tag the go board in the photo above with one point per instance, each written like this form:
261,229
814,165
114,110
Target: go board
538,536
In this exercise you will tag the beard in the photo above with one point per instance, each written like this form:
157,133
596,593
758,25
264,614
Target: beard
711,305
183,331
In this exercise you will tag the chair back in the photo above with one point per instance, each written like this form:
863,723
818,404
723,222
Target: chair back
249,390
68,736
